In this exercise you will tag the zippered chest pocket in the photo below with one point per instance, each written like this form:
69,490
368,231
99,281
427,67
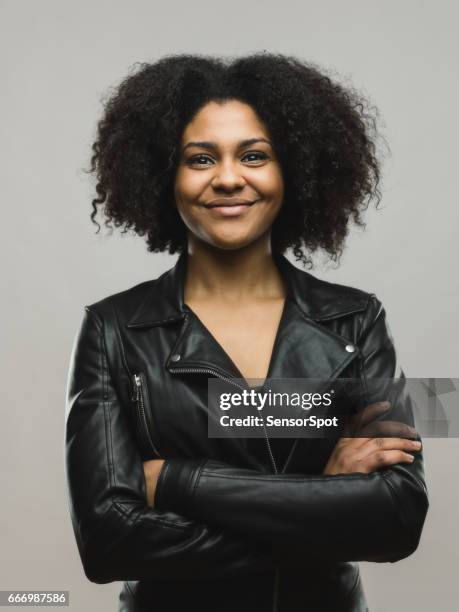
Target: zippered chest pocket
144,426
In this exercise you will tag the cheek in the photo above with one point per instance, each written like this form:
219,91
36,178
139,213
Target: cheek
270,183
188,185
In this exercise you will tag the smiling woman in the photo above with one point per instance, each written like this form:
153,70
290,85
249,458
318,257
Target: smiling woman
231,163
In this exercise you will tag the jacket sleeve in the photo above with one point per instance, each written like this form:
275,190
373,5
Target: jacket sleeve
119,536
350,517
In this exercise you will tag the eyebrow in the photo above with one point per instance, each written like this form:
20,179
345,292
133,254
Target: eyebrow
212,145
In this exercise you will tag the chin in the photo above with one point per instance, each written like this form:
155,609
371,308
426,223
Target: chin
225,238
229,243
230,246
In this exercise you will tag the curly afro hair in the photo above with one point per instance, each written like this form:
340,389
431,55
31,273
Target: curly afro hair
324,135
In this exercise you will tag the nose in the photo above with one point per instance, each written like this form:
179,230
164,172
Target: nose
228,177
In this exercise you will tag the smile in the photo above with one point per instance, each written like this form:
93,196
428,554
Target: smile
229,208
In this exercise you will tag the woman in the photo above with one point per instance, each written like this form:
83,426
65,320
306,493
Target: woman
230,163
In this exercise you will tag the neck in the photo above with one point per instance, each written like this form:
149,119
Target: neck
232,275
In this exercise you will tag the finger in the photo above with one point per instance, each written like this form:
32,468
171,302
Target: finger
386,444
385,458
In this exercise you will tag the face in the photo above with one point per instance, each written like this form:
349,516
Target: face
228,185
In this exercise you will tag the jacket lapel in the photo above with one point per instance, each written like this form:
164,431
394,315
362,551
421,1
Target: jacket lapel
303,347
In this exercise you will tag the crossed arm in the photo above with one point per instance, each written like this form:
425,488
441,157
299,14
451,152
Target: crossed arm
370,504
375,516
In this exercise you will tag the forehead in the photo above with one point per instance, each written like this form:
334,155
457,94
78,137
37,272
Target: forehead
230,120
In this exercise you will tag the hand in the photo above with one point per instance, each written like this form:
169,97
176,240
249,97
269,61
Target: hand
366,454
151,470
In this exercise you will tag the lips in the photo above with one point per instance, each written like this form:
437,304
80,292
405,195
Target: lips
228,207
225,205
228,203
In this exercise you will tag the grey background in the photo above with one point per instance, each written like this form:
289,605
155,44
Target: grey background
57,59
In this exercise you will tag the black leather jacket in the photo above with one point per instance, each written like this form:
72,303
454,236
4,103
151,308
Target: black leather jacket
231,530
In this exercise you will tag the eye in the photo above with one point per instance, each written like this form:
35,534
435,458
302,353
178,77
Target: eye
255,156
199,160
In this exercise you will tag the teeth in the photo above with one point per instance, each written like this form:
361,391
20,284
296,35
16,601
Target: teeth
226,205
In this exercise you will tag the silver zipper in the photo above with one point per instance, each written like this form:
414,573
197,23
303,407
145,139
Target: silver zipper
138,397
209,371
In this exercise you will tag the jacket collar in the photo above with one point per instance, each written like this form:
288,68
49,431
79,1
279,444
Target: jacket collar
317,299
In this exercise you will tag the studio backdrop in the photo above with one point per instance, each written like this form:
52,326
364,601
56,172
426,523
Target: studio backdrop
59,62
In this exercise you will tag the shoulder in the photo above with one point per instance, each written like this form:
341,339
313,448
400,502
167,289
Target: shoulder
324,300
123,303
353,313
